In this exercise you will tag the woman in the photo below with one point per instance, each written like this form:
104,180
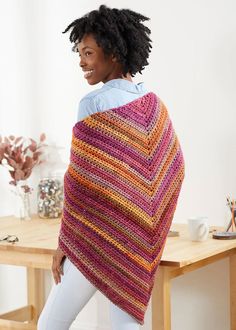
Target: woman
124,178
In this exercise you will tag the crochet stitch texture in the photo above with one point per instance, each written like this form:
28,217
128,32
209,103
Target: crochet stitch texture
120,194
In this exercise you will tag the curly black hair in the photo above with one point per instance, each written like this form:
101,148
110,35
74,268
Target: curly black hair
119,32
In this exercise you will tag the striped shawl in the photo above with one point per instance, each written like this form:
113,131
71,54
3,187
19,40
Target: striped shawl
120,194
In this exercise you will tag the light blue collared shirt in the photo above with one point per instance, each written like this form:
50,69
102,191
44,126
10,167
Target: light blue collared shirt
114,93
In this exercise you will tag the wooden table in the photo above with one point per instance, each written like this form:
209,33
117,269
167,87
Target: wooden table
37,243
181,256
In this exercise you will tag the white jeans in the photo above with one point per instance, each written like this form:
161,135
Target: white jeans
68,298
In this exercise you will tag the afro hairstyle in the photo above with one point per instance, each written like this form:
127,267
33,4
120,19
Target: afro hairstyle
119,32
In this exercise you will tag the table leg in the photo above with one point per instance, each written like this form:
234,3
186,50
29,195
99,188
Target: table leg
232,264
35,284
161,309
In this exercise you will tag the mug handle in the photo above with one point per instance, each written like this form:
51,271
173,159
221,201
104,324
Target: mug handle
203,229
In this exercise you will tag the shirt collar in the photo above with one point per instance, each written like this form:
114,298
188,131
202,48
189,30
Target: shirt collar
126,85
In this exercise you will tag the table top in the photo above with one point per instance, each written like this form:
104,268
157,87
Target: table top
35,235
41,236
181,251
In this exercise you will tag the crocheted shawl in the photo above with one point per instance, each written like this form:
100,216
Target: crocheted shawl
120,193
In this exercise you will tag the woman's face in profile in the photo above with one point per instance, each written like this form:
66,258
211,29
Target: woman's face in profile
97,66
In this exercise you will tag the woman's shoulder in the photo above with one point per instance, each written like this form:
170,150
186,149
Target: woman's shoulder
90,103
93,94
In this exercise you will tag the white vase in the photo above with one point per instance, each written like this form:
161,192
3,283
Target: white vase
22,201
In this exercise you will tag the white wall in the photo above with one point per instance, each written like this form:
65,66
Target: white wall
192,68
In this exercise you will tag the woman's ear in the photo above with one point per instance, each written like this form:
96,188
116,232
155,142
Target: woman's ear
113,58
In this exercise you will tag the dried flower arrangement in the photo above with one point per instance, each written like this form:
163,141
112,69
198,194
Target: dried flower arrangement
20,155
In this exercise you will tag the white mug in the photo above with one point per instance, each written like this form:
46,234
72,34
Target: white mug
198,228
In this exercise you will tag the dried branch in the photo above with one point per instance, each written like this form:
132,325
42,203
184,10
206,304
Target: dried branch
20,155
